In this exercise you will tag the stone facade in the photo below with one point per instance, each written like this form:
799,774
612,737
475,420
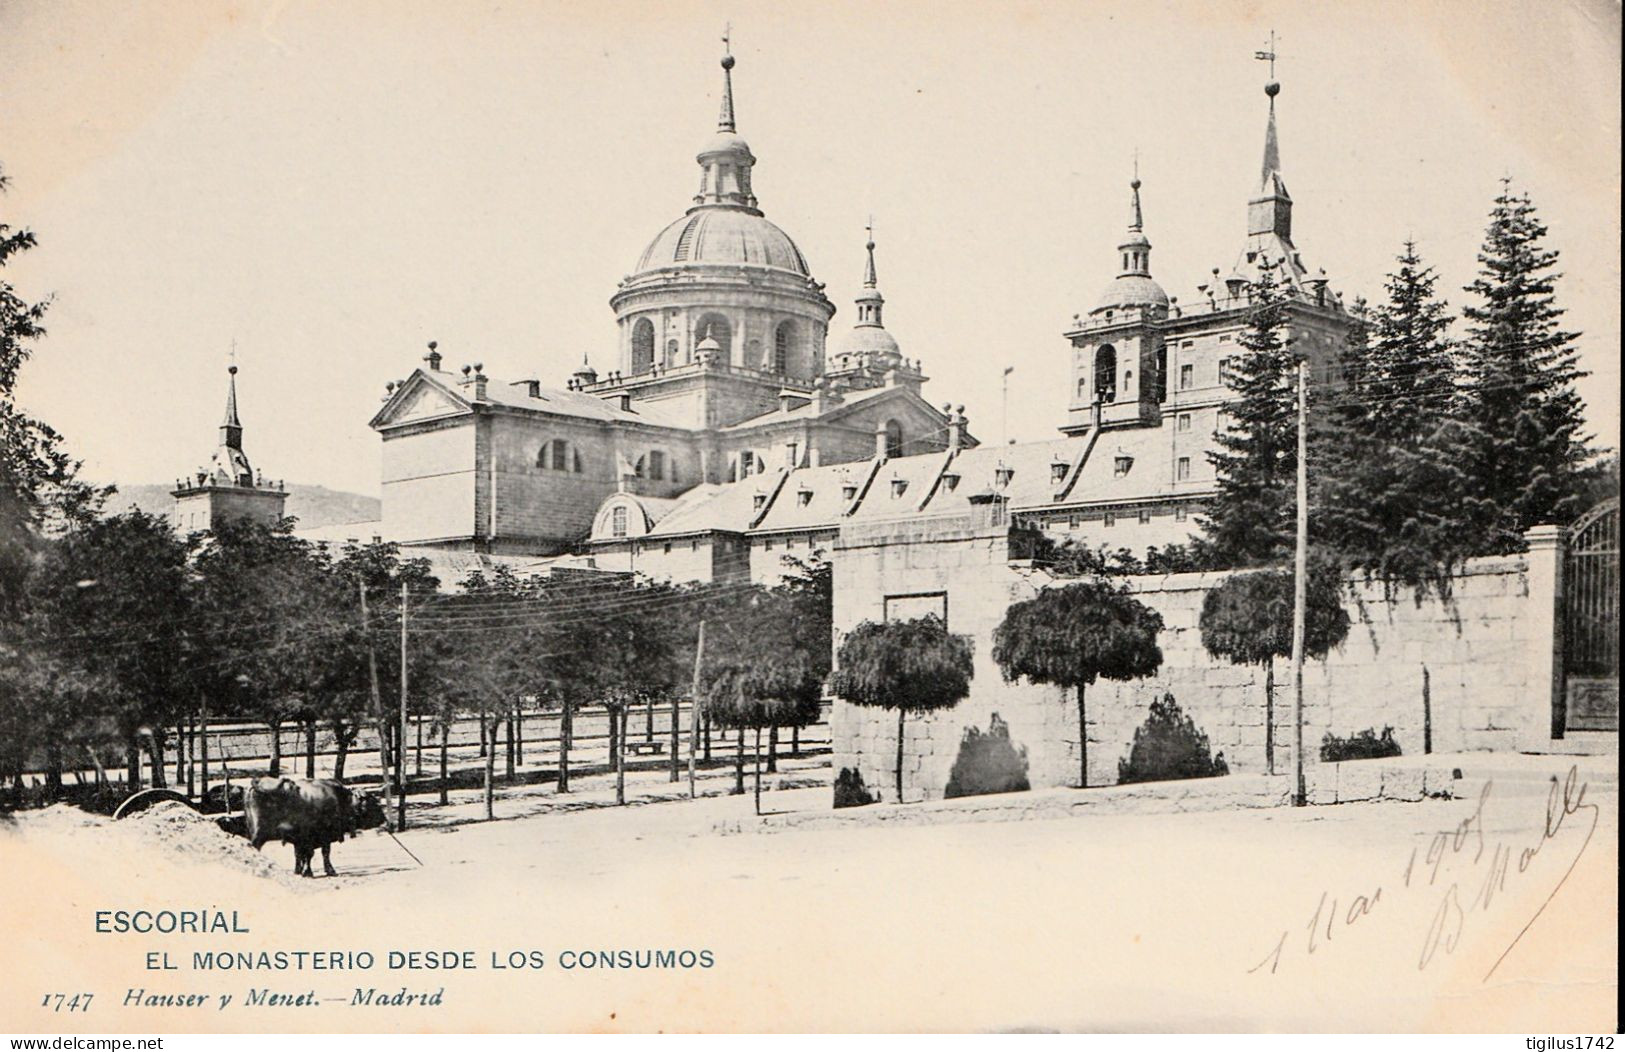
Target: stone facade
1141,360
1475,673
720,376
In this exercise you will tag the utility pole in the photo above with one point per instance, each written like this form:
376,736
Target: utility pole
400,755
694,709
1004,407
1300,582
377,699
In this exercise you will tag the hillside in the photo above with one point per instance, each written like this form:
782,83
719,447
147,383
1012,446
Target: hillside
311,505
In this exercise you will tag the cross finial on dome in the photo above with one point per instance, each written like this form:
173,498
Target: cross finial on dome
869,280
725,119
1136,221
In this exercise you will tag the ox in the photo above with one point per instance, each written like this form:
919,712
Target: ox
307,814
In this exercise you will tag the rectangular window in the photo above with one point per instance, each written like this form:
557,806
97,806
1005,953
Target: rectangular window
1145,516
1187,374
1072,522
1183,470
1184,421
1110,519
1180,514
1224,370
912,607
657,465
1225,338
666,548
618,522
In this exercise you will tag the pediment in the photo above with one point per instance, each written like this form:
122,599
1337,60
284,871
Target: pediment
419,398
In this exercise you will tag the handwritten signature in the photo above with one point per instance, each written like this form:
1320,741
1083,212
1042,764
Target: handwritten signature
1472,892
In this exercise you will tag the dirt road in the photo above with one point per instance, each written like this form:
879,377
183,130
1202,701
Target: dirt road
1362,916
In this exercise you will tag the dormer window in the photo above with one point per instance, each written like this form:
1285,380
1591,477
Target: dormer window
803,497
950,481
758,501
617,520
1057,471
898,487
849,490
1002,475
1121,465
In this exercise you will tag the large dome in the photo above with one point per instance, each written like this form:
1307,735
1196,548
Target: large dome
723,235
865,340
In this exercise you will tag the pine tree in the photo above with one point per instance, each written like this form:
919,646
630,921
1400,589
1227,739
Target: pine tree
1409,382
1519,368
1388,458
1251,520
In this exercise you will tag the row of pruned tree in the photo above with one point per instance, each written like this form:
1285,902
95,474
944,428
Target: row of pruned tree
128,636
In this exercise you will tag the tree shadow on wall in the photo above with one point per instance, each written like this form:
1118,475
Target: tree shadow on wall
988,763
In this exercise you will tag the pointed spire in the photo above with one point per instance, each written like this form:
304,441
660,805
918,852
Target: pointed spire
869,301
869,268
1270,211
725,119
231,400
726,160
1136,221
231,428
1272,145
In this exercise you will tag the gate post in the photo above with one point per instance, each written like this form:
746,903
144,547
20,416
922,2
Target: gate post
1542,717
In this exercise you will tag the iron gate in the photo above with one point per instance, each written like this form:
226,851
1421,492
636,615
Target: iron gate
1591,621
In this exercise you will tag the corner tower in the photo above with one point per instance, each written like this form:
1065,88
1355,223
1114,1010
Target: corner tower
228,488
1119,363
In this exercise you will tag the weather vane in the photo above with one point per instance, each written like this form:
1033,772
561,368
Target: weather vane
1269,55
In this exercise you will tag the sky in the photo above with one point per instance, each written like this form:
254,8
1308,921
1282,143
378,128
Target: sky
330,186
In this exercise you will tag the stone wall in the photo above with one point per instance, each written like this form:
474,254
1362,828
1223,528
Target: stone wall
1478,670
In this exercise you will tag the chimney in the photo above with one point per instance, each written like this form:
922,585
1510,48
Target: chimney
956,427
432,359
479,381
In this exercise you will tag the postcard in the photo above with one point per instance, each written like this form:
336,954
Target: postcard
903,517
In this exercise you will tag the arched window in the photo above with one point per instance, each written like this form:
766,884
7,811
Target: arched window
717,328
1106,374
782,337
559,455
643,345
671,353
894,439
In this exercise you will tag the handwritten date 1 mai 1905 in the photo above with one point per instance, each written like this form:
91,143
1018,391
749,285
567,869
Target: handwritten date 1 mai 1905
1463,861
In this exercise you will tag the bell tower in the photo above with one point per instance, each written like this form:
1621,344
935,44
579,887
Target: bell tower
228,488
